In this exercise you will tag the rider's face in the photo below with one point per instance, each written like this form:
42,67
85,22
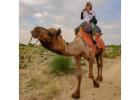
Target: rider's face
88,7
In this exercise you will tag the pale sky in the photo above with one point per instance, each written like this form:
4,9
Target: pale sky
66,15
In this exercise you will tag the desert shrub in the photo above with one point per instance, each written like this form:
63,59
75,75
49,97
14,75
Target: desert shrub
34,83
20,44
40,50
31,45
61,64
51,90
112,51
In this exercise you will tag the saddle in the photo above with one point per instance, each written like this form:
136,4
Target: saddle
99,41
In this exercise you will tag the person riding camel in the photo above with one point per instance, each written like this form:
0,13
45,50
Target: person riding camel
89,22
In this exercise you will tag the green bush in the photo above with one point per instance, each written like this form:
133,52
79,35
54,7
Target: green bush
112,51
61,64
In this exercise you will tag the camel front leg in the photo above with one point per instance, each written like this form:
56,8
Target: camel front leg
95,83
76,94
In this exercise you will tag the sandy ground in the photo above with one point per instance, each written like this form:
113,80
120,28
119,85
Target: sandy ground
110,88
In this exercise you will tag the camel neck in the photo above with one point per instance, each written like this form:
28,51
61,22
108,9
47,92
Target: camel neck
63,46
60,47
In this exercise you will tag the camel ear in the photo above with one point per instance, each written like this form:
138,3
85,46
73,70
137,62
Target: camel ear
58,32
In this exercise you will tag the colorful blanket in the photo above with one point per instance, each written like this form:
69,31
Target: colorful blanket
99,41
88,40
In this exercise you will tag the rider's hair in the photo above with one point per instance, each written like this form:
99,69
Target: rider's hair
88,4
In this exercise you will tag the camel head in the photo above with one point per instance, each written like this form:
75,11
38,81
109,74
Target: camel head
49,38
47,35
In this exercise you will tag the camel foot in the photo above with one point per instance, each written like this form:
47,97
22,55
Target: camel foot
99,79
76,95
96,84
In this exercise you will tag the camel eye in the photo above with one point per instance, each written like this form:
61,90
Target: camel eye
50,34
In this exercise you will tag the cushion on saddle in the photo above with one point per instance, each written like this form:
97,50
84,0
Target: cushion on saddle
88,40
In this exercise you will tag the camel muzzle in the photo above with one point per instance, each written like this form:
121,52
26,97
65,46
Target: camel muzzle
34,34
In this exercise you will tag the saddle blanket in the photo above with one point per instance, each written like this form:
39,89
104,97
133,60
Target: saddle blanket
99,41
88,40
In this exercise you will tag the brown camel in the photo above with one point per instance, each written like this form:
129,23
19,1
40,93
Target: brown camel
52,40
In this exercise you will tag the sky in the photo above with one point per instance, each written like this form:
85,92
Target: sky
65,14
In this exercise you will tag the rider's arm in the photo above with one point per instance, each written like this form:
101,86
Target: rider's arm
93,20
82,14
93,13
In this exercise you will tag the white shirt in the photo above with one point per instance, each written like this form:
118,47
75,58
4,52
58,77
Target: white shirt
87,16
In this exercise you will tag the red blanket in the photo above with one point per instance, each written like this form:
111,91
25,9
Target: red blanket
99,41
88,40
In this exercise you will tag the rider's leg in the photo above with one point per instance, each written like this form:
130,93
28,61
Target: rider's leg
77,28
93,33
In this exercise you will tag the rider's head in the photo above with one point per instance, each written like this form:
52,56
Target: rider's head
88,6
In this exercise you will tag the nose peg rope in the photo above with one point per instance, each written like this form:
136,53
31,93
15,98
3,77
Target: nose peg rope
25,50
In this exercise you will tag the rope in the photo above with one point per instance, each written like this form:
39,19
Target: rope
22,66
27,45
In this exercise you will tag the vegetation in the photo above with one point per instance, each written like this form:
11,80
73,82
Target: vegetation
26,56
52,90
61,64
42,88
112,51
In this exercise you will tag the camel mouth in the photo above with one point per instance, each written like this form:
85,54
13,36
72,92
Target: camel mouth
34,34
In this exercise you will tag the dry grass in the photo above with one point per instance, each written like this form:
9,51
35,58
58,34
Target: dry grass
35,81
37,85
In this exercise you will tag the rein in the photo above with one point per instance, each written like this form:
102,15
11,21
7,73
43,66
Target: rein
25,50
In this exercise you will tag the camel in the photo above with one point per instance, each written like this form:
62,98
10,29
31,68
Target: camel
52,40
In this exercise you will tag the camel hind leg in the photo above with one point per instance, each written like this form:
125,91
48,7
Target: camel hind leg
99,59
98,68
